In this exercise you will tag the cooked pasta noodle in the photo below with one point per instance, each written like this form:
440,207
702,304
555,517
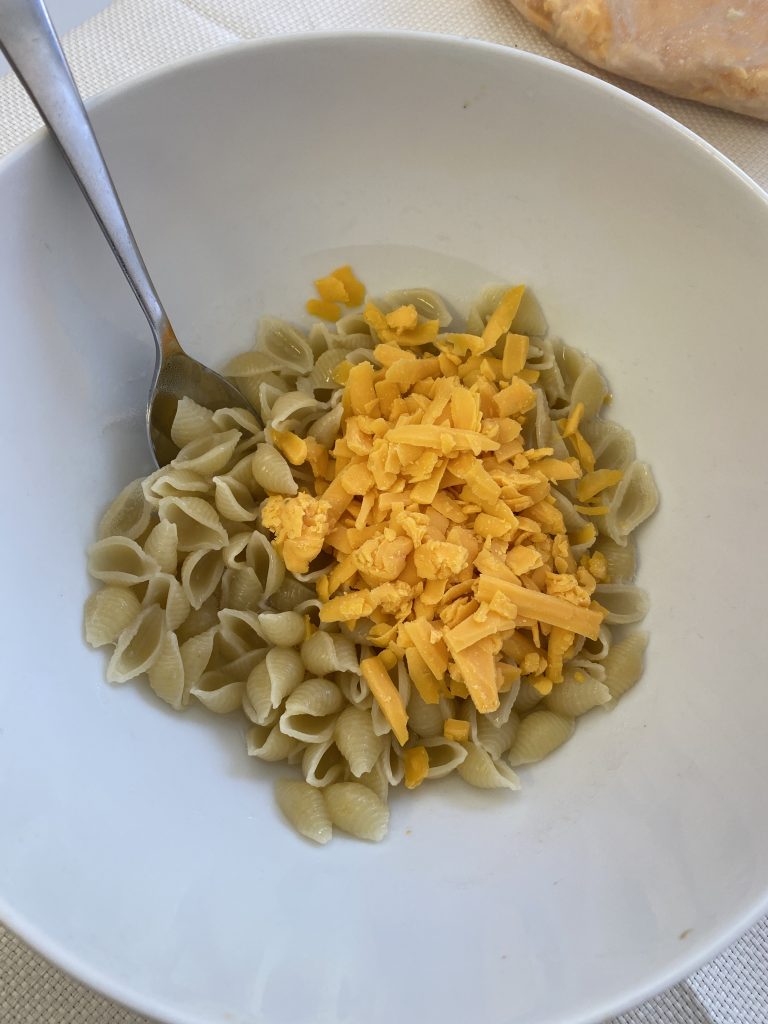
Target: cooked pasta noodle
539,734
624,664
218,694
162,544
444,755
356,809
166,675
165,591
572,699
107,613
128,515
282,629
305,808
322,763
414,556
358,743
138,646
482,770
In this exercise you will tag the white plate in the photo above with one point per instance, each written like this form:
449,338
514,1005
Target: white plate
142,850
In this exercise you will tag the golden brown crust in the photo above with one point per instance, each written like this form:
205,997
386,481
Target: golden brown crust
714,51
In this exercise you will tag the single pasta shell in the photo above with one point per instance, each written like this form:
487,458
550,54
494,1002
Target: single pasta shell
218,695
293,409
234,550
166,591
283,629
329,652
444,755
236,419
108,612
428,304
624,602
241,471
321,375
195,655
190,421
166,676
290,594
227,647
539,734
173,482
277,338
355,689
612,445
258,689
305,809
326,428
208,455
595,650
376,780
128,515
271,471
391,760
481,770
199,620
588,389
624,663
424,719
237,671
196,521
572,699
322,764
496,739
356,809
201,572
310,711
138,646
248,367
357,741
265,561
286,671
504,711
241,629
621,559
257,717
528,697
162,544
315,697
233,500
120,561
241,589
269,744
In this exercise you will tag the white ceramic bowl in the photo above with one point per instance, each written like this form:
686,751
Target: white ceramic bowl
142,850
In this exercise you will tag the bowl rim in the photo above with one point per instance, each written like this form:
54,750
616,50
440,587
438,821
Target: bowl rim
700,950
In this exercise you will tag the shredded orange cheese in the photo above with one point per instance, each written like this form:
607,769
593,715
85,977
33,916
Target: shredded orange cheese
446,537
338,288
416,762
456,729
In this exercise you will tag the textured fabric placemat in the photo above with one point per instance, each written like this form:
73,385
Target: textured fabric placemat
134,36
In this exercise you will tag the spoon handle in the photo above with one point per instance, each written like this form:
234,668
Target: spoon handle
29,41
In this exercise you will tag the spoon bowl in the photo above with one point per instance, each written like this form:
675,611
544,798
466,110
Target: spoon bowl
177,376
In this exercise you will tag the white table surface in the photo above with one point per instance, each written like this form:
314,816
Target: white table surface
66,15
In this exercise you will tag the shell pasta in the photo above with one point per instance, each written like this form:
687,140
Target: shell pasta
413,559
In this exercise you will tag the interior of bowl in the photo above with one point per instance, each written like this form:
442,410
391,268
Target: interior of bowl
142,849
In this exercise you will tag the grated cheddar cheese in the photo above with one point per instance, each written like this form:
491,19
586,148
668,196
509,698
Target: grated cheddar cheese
442,525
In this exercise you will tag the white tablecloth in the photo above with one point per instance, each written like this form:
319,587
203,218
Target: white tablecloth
134,36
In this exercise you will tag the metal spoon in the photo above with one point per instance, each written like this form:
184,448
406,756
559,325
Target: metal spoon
29,41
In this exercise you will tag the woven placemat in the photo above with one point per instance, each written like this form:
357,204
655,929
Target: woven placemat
134,36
